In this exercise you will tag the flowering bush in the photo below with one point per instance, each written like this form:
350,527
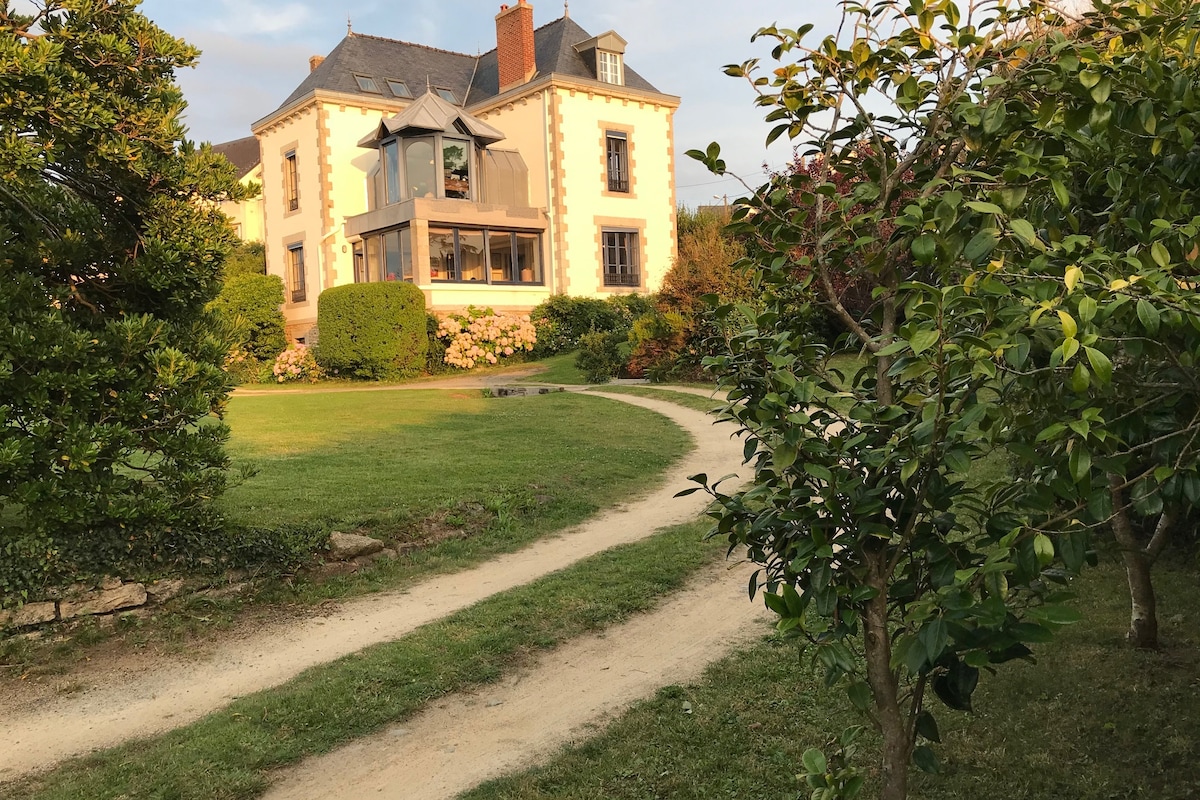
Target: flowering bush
481,336
296,364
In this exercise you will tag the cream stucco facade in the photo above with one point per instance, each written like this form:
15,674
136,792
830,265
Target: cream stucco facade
321,201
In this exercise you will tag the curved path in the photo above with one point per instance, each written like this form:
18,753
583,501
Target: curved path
161,699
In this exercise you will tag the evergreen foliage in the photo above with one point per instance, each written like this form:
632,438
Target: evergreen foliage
374,331
251,302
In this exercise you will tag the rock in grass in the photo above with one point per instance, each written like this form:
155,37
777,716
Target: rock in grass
127,595
345,546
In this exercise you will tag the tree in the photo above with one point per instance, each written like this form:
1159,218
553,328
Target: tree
110,247
941,138
247,258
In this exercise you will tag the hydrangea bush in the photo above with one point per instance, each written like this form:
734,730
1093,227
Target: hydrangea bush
481,336
296,364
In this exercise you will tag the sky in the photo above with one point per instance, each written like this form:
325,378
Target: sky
255,52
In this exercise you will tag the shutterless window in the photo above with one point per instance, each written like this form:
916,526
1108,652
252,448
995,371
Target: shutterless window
619,250
617,157
391,171
291,181
608,67
398,88
446,95
296,272
489,256
367,84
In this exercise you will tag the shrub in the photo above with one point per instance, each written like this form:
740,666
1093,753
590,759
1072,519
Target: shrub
658,341
296,364
599,356
247,258
251,303
562,320
435,351
482,336
374,331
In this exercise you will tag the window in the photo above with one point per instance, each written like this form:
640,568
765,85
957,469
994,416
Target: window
291,181
619,250
391,171
367,84
608,67
398,88
296,272
456,169
446,95
617,158
485,255
418,168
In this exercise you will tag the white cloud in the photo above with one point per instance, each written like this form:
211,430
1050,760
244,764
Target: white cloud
252,18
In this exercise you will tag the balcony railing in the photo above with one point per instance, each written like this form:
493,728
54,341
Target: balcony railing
622,279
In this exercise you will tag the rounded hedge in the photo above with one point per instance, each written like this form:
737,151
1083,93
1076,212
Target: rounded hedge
252,302
374,331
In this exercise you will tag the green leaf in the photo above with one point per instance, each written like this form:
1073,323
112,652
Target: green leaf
923,339
927,727
1025,232
934,637
924,248
984,208
1087,309
981,244
925,759
1101,91
1043,548
955,686
1101,365
1160,254
1149,316
1069,328
814,761
1080,462
1060,193
993,117
859,694
784,456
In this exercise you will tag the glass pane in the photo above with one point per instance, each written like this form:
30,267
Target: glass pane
441,255
360,263
470,248
399,88
374,259
418,164
500,252
447,95
391,252
529,258
454,169
391,169
406,256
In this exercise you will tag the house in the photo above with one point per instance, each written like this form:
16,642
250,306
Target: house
545,166
247,216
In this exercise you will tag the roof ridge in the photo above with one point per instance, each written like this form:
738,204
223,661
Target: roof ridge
358,35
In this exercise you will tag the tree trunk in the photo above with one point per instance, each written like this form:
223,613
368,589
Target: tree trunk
1143,617
897,739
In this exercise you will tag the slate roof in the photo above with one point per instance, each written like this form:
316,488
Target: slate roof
432,113
242,153
473,79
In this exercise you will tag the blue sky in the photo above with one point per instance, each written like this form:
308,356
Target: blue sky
256,52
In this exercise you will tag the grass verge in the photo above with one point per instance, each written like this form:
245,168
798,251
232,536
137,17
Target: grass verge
1092,720
230,754
558,369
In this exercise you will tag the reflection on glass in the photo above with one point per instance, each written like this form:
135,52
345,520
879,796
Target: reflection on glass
500,251
441,255
391,251
391,171
418,163
455,171
360,263
470,248
529,260
374,258
406,256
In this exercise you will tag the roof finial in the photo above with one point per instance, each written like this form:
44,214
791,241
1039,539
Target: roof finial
349,26
566,9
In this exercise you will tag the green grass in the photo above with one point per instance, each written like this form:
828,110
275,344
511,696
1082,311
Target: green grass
685,399
559,369
1092,720
230,754
385,460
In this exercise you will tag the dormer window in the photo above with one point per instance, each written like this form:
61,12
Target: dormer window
399,88
446,94
609,68
367,84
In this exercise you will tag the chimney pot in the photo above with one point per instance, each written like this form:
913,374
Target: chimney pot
314,62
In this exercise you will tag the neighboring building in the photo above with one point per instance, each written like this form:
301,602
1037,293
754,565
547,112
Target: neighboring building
545,166
247,217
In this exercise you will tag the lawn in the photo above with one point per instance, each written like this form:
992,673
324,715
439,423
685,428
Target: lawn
1092,720
386,461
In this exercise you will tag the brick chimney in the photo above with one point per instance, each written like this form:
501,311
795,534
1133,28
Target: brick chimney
314,62
514,44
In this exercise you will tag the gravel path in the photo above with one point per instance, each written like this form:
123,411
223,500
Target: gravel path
119,707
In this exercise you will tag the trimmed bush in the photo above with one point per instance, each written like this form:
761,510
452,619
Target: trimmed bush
599,357
373,331
562,320
435,354
251,303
